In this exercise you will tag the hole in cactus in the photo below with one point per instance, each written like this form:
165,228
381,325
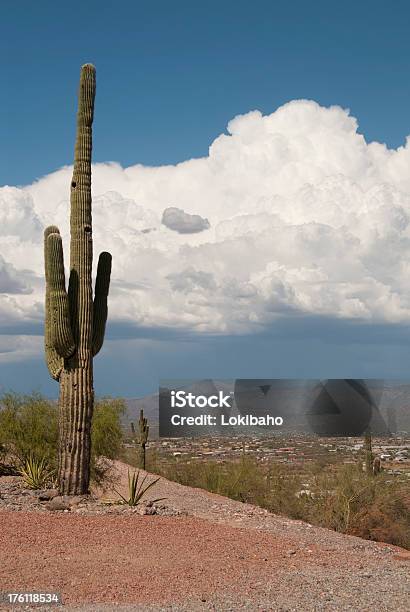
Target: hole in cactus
73,184
87,229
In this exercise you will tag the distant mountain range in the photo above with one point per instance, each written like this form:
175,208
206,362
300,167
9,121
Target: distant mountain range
150,406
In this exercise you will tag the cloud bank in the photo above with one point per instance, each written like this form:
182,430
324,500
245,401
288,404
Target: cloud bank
290,213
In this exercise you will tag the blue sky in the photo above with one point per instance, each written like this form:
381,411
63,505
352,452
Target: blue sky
170,77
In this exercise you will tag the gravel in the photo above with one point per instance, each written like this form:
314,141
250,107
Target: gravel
195,551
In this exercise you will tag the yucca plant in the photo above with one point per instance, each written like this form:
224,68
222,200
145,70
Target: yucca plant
37,473
137,489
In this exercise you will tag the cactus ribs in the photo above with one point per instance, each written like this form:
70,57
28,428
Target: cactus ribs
74,321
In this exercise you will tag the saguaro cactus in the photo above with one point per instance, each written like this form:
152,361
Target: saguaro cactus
74,322
368,451
143,438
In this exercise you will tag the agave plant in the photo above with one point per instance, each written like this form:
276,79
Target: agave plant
37,473
137,489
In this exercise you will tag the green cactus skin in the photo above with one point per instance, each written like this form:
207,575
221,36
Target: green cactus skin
368,452
74,322
143,438
54,361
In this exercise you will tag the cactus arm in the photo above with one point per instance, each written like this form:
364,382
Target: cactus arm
144,428
81,248
70,337
53,359
102,286
59,315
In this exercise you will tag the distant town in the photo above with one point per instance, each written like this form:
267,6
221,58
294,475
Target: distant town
299,451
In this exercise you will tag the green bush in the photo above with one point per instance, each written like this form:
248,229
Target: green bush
106,430
29,429
106,436
283,497
241,480
349,500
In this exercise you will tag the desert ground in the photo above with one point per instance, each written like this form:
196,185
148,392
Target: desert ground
192,551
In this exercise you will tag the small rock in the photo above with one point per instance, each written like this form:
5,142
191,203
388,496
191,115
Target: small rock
57,503
144,509
403,556
48,494
75,500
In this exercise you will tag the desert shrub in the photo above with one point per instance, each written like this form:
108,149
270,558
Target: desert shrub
3,451
386,516
29,430
342,498
351,501
245,481
273,487
376,524
283,497
106,431
106,436
5,467
242,480
337,494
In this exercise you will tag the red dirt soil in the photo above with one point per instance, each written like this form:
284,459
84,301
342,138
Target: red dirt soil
132,559
223,555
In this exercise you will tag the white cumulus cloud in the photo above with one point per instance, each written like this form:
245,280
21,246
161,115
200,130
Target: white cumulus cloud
290,212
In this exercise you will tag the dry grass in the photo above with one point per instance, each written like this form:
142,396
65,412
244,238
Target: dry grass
342,498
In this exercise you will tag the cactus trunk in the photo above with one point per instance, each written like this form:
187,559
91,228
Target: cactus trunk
141,461
368,452
76,404
75,324
143,438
